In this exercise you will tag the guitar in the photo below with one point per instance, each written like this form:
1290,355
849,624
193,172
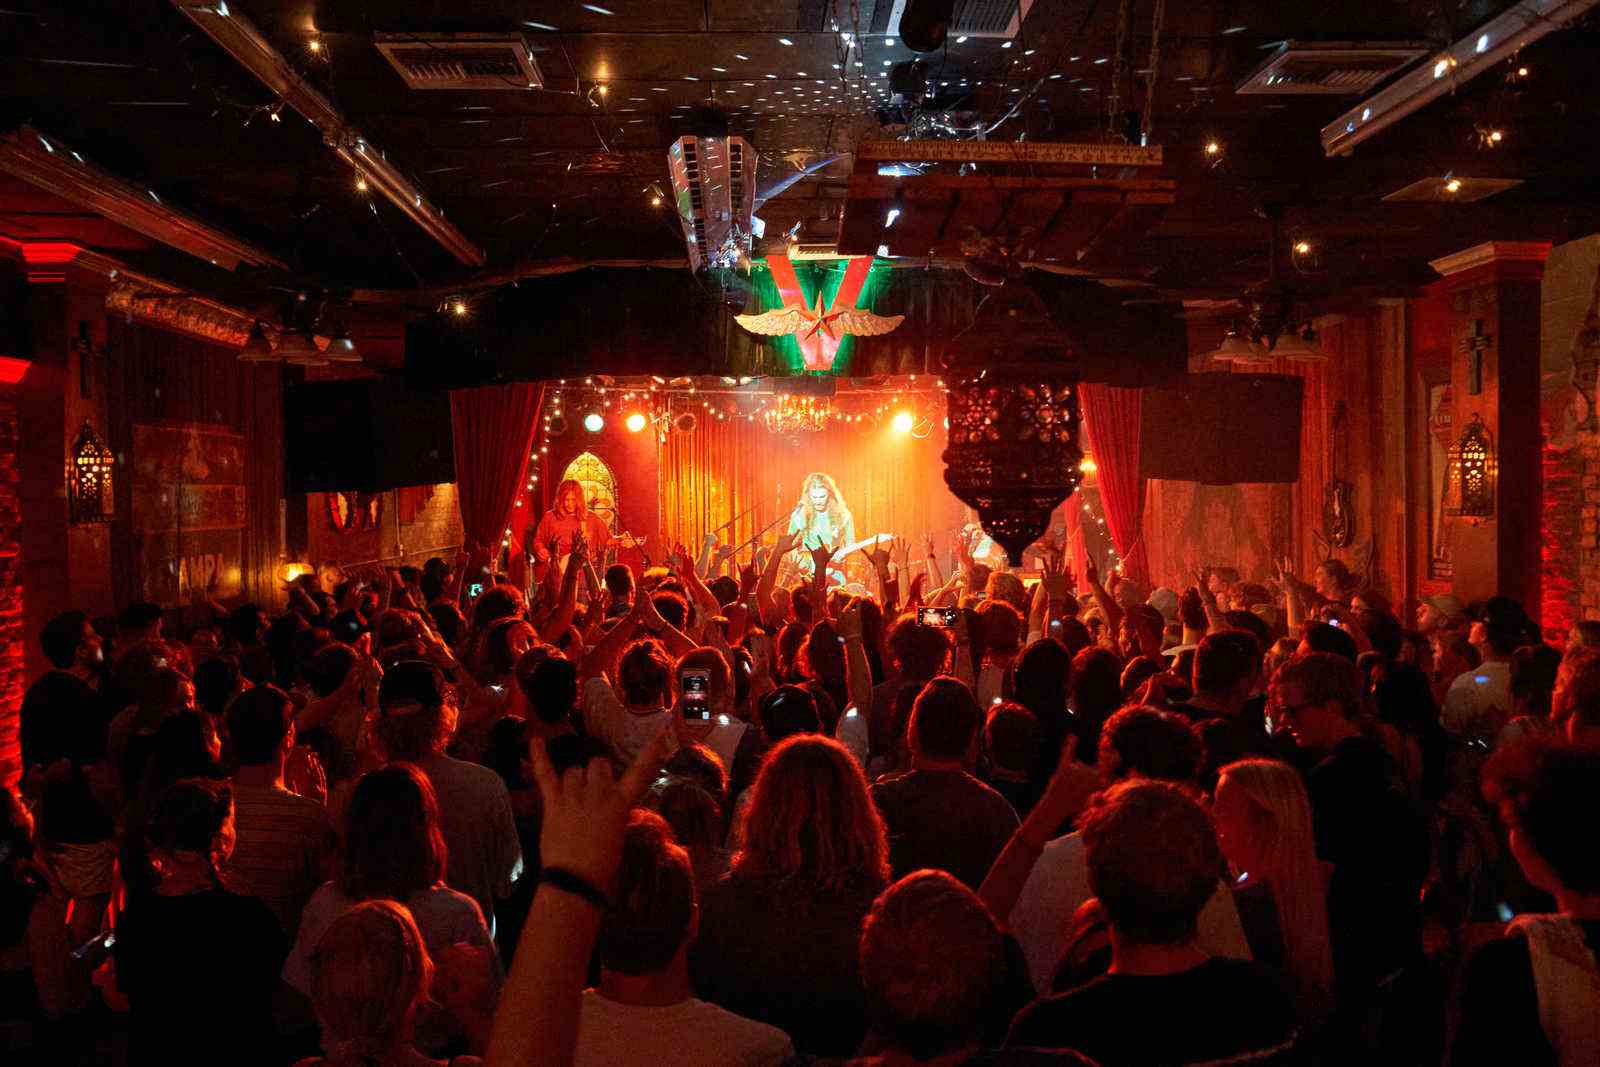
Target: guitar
836,575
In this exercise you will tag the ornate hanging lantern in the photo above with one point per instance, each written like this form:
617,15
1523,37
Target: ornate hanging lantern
1013,450
89,477
1474,471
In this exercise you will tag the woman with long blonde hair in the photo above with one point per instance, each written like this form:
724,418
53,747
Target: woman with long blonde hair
370,978
820,518
779,933
1263,819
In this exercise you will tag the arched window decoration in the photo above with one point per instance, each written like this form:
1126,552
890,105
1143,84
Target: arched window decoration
1474,469
599,486
89,479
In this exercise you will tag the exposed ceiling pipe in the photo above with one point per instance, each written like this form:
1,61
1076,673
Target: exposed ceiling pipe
56,168
1517,27
237,36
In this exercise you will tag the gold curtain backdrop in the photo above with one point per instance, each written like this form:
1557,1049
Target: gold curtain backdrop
737,470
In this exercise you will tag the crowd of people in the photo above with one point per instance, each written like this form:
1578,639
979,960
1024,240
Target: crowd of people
717,813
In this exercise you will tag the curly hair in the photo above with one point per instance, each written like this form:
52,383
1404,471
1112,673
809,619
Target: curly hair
370,972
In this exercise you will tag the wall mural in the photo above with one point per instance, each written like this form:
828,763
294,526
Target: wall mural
188,511
351,511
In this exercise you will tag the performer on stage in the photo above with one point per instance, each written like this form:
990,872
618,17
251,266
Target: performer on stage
820,518
570,515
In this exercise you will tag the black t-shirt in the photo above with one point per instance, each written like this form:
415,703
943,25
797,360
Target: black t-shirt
1220,1008
1379,849
62,718
200,972
1499,1006
947,820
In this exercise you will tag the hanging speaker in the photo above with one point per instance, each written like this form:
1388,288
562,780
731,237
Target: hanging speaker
924,24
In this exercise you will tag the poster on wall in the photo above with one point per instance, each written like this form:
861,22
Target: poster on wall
188,511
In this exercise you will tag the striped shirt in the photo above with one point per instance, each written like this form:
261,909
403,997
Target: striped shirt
285,846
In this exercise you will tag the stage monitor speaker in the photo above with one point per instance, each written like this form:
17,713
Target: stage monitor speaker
366,436
1222,429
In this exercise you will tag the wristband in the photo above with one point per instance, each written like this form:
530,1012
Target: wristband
575,884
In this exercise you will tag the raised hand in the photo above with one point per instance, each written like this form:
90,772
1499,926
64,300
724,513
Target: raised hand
748,577
914,593
927,544
760,645
822,555
580,548
880,557
786,543
303,774
585,810
1056,580
848,624
1091,571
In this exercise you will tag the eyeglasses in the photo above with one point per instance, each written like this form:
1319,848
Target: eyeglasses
1282,712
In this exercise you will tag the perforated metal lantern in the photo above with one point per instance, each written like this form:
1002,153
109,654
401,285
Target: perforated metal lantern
1013,452
89,479
1474,473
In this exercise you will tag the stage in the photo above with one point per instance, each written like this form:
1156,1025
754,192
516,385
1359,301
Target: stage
667,463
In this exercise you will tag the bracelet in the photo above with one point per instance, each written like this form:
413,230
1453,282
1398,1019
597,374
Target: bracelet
575,884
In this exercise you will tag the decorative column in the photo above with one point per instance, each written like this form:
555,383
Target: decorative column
1492,291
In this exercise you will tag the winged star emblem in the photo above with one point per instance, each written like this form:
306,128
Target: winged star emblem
809,322
818,330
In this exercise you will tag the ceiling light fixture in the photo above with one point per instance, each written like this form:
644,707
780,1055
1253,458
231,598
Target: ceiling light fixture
237,36
597,9
962,39
539,26
1006,44
1514,28
786,42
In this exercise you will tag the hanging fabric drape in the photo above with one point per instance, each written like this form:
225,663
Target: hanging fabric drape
732,477
1112,415
493,430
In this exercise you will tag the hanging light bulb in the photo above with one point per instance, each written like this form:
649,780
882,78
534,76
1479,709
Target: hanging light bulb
258,349
299,350
341,349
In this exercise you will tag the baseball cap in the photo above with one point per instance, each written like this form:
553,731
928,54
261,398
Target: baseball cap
411,683
1165,601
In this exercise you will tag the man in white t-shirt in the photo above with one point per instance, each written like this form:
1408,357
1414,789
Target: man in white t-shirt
1134,743
643,1010
1478,703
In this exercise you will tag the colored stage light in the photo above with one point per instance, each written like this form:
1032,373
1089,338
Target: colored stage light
903,422
635,422
594,422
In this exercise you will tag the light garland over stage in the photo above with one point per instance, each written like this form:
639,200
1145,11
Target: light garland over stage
912,404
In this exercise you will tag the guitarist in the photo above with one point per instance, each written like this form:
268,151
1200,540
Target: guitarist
571,515
820,519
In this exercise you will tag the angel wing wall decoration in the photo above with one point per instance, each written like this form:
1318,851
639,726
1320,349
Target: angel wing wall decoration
818,330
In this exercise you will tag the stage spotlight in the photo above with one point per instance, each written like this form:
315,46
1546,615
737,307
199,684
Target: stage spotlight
903,422
635,422
594,422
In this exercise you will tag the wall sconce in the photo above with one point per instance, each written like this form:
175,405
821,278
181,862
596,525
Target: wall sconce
89,479
1474,472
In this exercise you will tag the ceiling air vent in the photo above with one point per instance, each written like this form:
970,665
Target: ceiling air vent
1330,68
462,60
976,18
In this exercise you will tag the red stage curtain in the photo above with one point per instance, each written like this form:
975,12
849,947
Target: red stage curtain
1112,415
493,430
733,477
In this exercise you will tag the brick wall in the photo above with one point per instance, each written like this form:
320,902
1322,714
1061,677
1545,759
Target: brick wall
415,523
13,677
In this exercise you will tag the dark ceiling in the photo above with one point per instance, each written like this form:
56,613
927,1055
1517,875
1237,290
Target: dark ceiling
534,175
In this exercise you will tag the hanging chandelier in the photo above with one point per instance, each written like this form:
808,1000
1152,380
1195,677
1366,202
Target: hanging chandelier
1013,451
797,414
